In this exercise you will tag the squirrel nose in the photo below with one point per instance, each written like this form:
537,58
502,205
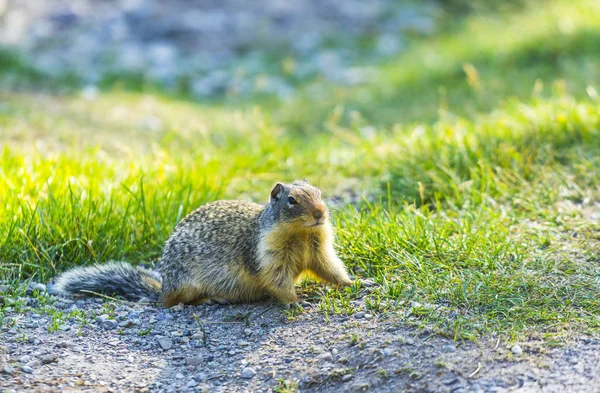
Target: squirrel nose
317,214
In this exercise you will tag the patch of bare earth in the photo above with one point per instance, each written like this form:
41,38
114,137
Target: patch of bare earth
256,348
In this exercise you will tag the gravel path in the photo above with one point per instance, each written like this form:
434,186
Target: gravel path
215,348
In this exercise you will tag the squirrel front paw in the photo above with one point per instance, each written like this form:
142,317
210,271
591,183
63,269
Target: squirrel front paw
286,298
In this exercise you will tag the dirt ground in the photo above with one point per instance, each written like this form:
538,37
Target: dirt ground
260,348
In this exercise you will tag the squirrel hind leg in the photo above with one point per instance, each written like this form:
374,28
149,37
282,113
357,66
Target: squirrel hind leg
187,294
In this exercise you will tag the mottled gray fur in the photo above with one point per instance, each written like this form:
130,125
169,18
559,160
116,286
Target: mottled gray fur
214,253
112,278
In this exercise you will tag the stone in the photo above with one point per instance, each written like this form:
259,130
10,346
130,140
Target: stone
248,373
50,358
27,369
191,383
33,325
517,350
165,342
39,287
359,315
194,361
101,318
326,357
449,348
126,324
109,324
8,370
197,336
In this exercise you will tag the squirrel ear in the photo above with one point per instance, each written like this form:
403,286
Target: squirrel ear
276,191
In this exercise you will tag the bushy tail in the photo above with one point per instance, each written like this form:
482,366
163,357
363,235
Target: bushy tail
112,278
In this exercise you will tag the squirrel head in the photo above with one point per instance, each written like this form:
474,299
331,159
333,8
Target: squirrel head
299,202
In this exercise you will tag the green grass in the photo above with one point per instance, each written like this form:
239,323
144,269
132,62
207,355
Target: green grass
477,152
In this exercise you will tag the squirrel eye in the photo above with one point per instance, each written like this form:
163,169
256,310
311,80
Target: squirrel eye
292,201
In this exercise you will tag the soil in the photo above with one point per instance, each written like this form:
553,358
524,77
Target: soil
264,348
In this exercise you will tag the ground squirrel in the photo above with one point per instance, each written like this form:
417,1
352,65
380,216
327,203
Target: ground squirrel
229,251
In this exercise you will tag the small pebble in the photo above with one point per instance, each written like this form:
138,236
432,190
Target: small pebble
326,356
449,349
191,383
51,358
109,324
8,370
39,287
200,377
347,377
517,350
101,318
27,369
126,324
359,315
194,360
248,373
165,342
197,336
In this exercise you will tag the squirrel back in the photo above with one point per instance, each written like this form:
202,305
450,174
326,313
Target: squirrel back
236,251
